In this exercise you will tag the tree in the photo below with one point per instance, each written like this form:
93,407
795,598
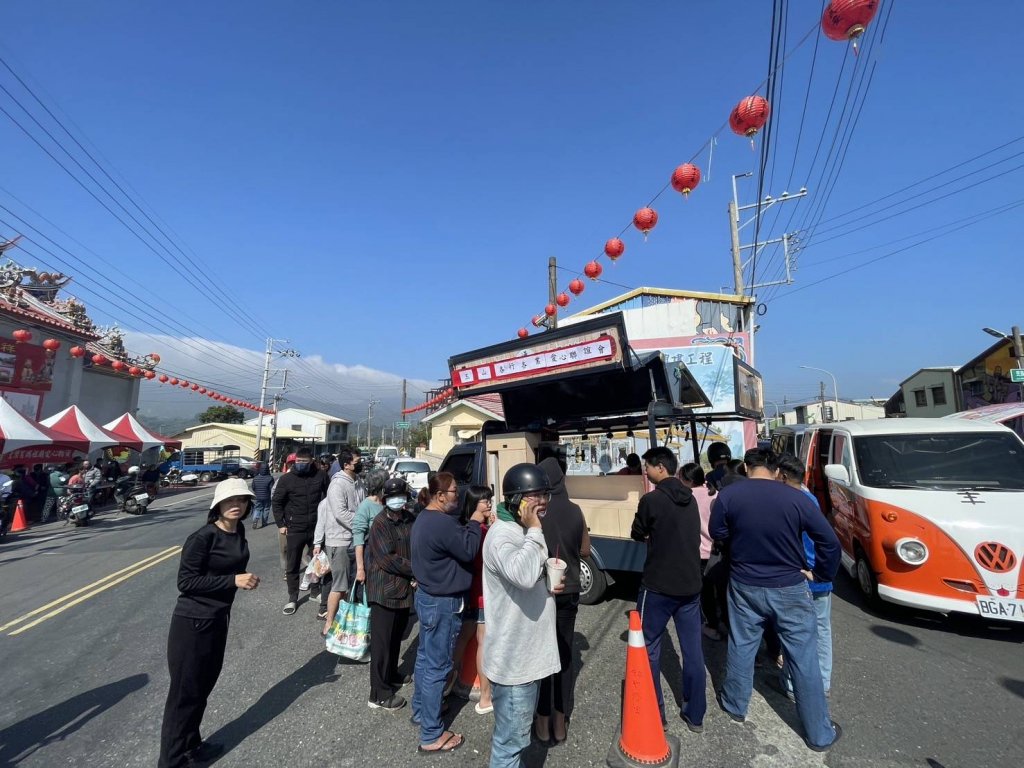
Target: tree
221,414
419,434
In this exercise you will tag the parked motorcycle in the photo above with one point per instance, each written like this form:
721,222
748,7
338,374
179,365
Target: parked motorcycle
73,507
132,496
176,477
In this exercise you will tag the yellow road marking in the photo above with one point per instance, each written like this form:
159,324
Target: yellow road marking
91,589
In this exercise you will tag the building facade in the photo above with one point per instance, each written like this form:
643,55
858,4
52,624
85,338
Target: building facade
932,392
329,432
461,421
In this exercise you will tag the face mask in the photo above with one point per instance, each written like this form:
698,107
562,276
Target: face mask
302,467
395,503
358,467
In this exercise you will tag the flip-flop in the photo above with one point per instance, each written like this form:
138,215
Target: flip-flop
444,744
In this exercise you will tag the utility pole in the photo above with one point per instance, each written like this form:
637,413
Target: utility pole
822,398
266,380
553,290
738,265
405,432
277,401
369,422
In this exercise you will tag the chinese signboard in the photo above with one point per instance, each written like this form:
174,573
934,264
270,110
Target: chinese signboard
540,357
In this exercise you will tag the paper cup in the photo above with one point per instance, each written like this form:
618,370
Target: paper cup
556,570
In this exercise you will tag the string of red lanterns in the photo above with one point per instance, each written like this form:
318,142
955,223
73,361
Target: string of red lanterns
842,20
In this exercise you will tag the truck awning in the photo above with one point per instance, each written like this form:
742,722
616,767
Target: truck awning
579,378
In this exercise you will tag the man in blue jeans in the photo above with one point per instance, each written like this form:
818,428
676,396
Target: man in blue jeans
763,522
668,520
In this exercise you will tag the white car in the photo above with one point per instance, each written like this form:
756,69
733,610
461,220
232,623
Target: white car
414,471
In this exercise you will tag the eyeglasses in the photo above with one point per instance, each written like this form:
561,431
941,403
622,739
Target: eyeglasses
454,490
541,495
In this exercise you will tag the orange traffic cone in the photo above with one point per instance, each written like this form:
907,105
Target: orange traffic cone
19,523
468,685
641,740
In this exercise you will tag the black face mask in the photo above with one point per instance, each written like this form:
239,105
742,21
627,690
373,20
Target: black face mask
357,467
302,468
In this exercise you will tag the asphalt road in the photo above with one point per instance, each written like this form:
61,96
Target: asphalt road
84,678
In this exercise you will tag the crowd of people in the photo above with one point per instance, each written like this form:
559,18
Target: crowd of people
758,559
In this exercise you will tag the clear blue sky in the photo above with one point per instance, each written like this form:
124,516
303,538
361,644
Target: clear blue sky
382,183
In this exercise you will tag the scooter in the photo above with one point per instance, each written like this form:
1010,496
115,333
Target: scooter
132,496
74,507
175,477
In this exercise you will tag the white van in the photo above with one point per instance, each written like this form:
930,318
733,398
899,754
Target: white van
384,455
929,512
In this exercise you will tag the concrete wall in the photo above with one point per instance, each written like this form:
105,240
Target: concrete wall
214,434
444,428
811,413
926,381
105,396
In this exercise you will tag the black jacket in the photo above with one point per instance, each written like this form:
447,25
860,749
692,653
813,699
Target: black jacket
296,498
669,521
389,560
563,525
262,485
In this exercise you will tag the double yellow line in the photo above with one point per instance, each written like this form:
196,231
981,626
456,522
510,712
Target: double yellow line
61,604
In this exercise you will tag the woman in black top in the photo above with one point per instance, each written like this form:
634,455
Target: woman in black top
212,569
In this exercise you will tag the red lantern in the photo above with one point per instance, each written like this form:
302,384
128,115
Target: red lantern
154,357
645,220
749,116
119,365
576,287
614,248
51,344
847,19
77,351
685,178
135,370
174,382
562,299
202,390
550,310
523,333
99,360
195,387
538,321
592,270
22,335
149,375
164,378
183,384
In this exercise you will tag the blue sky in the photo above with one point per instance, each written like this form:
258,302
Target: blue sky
382,184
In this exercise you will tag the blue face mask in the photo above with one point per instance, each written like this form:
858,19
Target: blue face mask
395,503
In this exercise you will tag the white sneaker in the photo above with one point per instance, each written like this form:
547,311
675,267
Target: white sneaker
304,584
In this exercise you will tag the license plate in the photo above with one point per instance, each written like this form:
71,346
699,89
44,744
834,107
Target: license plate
142,497
80,508
1001,608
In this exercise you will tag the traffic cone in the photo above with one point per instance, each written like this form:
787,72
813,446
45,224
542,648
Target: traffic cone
468,685
19,523
641,740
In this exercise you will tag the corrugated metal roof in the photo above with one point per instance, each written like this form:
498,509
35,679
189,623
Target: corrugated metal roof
249,429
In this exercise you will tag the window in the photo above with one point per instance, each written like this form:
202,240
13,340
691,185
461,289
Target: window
939,395
297,427
838,442
920,399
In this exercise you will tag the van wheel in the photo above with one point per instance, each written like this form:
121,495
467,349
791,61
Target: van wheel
866,580
593,582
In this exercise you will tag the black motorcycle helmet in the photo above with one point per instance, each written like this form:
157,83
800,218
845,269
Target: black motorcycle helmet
395,486
522,479
718,452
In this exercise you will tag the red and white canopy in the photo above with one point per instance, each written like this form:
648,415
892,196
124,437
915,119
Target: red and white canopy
18,432
72,421
132,434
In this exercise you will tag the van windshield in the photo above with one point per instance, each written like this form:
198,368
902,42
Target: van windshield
942,461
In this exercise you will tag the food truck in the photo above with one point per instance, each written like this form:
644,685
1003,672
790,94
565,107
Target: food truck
582,380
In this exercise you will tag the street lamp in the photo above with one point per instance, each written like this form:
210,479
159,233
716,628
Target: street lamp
835,386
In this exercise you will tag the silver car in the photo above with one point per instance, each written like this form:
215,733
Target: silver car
414,471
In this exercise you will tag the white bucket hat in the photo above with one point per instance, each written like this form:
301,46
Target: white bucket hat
225,489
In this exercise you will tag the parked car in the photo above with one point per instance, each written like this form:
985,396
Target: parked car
415,472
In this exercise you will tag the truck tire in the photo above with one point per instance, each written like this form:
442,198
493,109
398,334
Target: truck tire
593,582
206,477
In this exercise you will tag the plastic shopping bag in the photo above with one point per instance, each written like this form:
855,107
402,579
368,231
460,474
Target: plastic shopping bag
349,635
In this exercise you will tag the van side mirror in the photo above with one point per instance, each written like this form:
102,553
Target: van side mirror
838,473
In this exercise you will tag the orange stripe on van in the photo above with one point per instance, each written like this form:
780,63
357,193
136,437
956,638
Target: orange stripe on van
946,558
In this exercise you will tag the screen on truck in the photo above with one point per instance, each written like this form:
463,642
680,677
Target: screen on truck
941,461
